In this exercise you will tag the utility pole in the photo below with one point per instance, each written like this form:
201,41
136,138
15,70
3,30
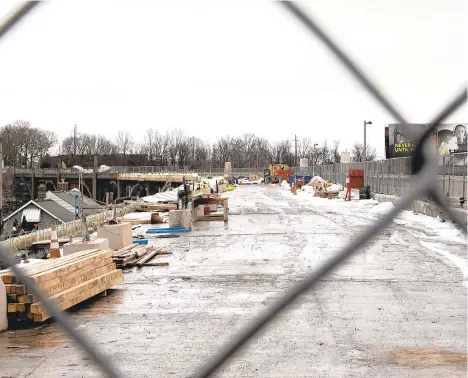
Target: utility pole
295,150
74,140
313,161
365,140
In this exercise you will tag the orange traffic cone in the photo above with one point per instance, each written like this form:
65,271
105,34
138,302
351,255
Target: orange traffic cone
54,251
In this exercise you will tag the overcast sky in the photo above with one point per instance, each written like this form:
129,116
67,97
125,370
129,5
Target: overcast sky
216,68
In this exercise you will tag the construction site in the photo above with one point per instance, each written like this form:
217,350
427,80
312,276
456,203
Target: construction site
160,283
182,232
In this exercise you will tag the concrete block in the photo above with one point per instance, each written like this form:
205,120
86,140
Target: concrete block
180,218
119,235
77,246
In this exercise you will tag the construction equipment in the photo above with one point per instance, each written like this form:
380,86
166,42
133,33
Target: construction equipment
277,172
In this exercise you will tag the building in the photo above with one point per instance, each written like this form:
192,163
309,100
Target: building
57,207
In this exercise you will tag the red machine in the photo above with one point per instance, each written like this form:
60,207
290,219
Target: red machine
355,180
284,174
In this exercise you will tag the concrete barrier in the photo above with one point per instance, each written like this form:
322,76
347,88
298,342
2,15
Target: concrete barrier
420,207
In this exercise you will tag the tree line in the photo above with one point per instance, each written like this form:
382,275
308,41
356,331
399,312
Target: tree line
27,146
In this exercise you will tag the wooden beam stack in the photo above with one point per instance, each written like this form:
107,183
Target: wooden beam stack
67,280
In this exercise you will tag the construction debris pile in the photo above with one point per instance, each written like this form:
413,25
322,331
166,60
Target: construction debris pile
322,188
67,281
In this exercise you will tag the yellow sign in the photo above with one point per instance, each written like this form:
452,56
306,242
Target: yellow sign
404,147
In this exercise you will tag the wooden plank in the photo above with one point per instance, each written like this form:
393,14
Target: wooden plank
164,253
73,266
79,279
11,289
20,289
48,264
40,317
127,248
20,307
27,298
11,307
52,263
65,278
74,291
210,218
146,258
134,254
159,206
156,264
7,278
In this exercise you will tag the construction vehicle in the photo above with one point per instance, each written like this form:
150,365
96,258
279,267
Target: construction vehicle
277,172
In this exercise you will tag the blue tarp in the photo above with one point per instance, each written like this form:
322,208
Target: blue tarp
166,230
305,178
140,241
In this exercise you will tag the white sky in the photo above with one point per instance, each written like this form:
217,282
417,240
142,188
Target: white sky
216,68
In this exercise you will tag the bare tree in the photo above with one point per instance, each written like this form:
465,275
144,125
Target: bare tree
357,153
124,142
336,152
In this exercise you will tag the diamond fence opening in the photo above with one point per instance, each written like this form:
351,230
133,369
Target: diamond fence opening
424,167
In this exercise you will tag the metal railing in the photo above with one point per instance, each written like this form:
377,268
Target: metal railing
424,169
394,176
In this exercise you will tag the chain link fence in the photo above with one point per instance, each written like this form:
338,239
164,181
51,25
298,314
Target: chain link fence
423,180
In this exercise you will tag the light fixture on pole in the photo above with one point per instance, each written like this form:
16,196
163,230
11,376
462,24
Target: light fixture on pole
313,160
365,140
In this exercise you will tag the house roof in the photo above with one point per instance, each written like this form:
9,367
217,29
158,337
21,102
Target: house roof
67,201
48,206
59,205
56,210
69,197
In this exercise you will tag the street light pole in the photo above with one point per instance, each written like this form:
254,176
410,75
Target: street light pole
313,161
365,140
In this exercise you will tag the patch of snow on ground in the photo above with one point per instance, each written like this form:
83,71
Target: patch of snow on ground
381,208
455,260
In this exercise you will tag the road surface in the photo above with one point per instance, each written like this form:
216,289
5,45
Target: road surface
397,308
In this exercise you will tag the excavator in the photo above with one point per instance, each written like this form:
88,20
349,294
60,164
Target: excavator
277,172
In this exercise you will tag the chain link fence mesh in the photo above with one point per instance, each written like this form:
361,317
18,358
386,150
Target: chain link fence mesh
424,180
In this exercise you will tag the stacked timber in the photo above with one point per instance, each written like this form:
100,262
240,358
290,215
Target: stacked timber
67,281
137,255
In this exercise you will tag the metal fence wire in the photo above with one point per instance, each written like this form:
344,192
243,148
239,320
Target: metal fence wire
424,168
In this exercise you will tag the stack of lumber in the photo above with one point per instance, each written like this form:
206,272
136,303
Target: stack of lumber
137,255
67,281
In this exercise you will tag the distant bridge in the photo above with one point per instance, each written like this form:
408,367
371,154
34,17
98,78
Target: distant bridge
122,181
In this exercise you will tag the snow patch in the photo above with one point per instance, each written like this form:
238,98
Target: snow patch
381,208
455,260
